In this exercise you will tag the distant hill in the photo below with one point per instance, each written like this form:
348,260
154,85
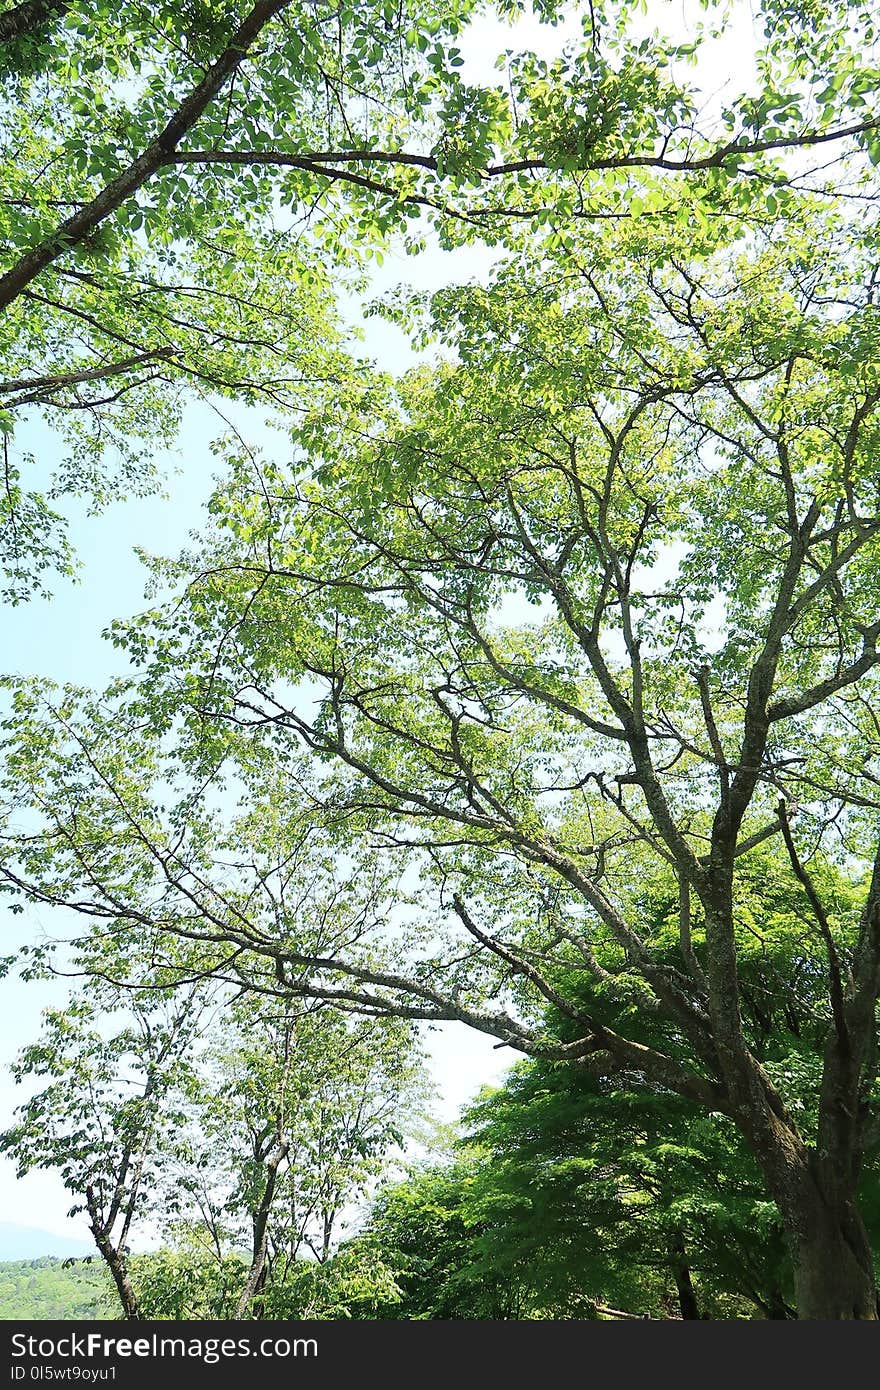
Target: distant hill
28,1243
50,1288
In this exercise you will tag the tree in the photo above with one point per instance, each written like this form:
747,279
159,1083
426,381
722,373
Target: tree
592,1180
613,616
294,1115
591,602
579,1189
602,1195
596,419
420,1229
182,182
233,1122
133,274
99,1122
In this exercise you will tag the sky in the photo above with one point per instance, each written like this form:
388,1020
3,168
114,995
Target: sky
61,638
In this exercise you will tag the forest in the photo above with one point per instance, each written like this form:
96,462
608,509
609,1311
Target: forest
48,1288
520,679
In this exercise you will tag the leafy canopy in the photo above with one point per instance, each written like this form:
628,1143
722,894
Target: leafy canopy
183,184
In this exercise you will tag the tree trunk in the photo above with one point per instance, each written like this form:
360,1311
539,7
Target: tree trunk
255,1281
115,1261
776,1308
687,1298
833,1269
831,1257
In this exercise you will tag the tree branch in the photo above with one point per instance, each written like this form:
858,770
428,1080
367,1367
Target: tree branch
33,389
72,231
27,18
835,978
798,704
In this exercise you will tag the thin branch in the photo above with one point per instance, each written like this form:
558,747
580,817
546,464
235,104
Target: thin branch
835,978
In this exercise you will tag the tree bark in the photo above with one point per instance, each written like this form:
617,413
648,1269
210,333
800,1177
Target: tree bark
29,17
115,1261
687,1298
833,1268
255,1281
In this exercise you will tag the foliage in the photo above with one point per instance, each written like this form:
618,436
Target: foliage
496,695
182,183
294,1114
185,1282
577,1192
53,1289
347,1285
596,1194
96,1123
256,1130
423,1229
112,1097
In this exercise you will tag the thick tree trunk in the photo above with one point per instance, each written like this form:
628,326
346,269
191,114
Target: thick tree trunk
816,1194
833,1268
